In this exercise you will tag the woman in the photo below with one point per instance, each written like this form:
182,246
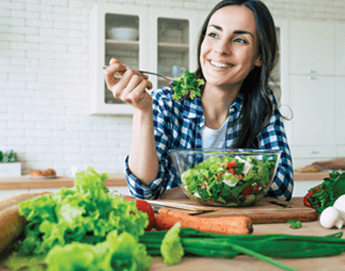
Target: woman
237,51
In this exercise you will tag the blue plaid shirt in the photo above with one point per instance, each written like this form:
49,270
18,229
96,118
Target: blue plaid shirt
177,125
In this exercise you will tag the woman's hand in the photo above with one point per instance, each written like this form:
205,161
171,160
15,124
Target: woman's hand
131,87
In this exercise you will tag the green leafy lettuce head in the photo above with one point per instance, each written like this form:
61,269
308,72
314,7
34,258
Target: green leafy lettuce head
117,252
85,213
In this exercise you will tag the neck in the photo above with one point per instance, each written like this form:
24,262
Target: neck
215,104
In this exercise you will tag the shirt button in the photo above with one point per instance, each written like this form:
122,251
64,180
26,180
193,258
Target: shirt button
232,110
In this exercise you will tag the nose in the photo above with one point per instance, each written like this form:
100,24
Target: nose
222,47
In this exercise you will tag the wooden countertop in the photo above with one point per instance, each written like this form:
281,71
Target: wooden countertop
25,182
311,176
243,262
115,179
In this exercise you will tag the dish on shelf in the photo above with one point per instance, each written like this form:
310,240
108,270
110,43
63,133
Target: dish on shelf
123,33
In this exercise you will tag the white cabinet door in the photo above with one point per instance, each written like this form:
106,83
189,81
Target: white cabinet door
103,47
312,100
312,48
340,49
202,17
341,151
340,110
167,37
173,40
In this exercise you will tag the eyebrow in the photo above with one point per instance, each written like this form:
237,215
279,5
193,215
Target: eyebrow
235,32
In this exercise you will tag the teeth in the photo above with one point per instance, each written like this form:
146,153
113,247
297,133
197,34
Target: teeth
220,65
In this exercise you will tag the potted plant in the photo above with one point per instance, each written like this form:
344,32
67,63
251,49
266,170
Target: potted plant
9,167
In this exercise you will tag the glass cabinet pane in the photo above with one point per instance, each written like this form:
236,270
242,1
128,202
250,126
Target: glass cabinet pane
122,43
275,83
172,47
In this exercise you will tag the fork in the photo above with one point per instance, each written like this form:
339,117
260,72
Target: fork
169,80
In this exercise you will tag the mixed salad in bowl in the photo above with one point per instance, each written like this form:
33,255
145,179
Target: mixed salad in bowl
225,177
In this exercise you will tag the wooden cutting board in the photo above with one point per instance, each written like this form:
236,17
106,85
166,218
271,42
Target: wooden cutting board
265,210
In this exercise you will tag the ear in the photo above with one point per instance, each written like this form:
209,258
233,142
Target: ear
258,61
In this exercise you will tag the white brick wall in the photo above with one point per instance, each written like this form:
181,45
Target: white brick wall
44,90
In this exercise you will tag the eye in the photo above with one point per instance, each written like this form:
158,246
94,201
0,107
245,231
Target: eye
212,35
239,40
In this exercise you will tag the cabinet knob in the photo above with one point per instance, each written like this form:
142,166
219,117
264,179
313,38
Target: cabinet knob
314,152
313,71
312,78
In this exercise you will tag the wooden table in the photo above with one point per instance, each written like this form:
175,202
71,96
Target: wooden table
243,262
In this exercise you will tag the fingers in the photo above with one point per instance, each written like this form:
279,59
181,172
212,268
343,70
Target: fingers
109,73
130,87
113,61
131,81
116,67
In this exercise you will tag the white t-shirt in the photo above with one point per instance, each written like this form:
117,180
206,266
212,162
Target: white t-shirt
213,138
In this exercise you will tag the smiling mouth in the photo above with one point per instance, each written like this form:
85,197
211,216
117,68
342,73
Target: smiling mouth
220,65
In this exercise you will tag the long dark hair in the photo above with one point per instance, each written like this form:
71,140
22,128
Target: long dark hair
257,107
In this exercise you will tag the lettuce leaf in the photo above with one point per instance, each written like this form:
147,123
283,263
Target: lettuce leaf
85,213
118,252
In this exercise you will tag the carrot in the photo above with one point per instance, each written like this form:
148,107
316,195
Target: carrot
11,223
166,218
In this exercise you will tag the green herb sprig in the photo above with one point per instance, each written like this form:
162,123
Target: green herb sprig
262,247
187,84
294,224
331,188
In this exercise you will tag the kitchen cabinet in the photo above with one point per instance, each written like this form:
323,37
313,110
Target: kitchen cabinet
312,135
102,48
166,38
312,100
173,42
311,46
340,110
280,83
341,151
340,49
316,91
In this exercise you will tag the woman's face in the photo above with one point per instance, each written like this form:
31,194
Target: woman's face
230,49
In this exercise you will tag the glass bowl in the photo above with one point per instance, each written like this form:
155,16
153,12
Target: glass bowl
225,177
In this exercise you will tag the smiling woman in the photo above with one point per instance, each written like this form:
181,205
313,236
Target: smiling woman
229,51
237,51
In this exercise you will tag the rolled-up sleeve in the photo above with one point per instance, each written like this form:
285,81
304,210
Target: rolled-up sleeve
274,137
166,177
141,191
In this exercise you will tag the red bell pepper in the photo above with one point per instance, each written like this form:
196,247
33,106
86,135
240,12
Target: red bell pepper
231,164
247,190
311,193
145,207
